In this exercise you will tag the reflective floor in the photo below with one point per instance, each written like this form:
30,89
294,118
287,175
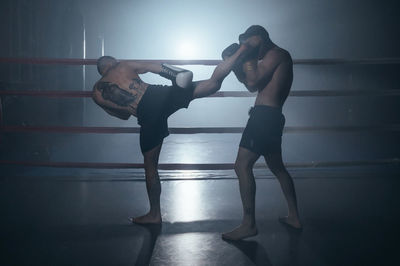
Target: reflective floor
51,217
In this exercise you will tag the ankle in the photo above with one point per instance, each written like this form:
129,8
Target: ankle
249,223
155,212
293,217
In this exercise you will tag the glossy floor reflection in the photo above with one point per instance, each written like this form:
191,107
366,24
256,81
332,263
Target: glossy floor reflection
349,220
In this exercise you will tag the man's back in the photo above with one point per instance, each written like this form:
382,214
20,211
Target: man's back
122,86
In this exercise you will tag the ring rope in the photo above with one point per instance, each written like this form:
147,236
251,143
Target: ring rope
295,93
77,61
79,94
192,130
175,166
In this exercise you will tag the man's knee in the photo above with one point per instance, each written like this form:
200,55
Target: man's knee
278,171
245,161
277,168
214,85
275,162
205,88
151,159
150,168
150,162
243,166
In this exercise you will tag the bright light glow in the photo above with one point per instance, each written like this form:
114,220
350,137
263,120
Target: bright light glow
187,204
187,50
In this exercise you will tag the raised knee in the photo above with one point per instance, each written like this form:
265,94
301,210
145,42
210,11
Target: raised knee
215,86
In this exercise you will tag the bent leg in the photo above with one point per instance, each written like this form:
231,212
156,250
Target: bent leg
153,187
275,164
245,161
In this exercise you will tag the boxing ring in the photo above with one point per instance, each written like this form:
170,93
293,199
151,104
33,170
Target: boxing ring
184,130
348,219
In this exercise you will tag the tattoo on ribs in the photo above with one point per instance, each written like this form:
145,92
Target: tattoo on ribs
136,84
112,92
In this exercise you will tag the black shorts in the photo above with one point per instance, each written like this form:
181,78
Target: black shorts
263,132
156,105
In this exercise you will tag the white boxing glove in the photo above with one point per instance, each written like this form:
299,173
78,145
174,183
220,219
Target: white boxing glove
179,76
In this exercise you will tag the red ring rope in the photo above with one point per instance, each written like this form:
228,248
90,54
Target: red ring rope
76,61
79,94
295,93
192,130
220,166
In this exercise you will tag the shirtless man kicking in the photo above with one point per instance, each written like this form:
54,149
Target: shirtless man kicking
268,70
121,93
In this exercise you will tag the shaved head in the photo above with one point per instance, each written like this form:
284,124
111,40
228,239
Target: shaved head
104,63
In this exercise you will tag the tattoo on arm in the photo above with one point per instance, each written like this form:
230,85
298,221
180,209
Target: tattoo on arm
112,92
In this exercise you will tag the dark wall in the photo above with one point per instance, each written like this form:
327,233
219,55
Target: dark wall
153,29
42,28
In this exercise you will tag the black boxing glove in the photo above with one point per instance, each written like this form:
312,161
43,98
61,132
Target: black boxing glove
249,53
230,50
242,38
237,68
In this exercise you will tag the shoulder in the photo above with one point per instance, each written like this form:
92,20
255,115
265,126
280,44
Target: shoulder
279,55
129,65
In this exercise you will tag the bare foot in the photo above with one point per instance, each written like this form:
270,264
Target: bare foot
293,223
240,232
148,218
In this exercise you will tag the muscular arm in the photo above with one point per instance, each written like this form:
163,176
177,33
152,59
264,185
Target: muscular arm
225,67
237,70
257,73
252,74
207,87
143,67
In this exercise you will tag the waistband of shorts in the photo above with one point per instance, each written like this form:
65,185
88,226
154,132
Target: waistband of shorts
265,108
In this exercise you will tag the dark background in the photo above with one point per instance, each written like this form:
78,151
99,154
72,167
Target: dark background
79,216
308,29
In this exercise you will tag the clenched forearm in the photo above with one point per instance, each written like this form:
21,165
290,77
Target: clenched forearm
250,75
225,67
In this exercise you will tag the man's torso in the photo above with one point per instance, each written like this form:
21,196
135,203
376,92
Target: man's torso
275,88
120,86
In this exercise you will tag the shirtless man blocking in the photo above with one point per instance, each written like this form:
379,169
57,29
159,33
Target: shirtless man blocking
121,93
268,69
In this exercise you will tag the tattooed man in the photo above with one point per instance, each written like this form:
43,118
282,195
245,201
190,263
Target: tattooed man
121,93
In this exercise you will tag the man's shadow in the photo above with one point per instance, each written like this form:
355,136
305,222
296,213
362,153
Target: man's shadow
258,254
149,241
253,250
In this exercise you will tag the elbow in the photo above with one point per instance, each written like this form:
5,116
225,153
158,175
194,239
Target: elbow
251,86
251,83
251,89
96,97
